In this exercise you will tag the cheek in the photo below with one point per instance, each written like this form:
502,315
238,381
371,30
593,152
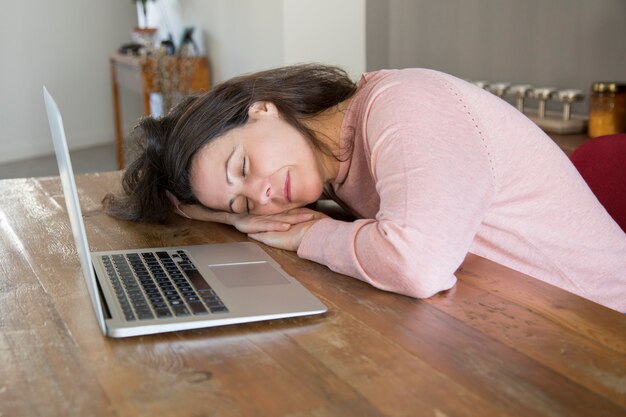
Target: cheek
310,189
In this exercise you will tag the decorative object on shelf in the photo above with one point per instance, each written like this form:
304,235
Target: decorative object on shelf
145,37
520,92
563,122
567,97
481,84
142,34
607,109
144,9
188,45
499,89
542,95
171,74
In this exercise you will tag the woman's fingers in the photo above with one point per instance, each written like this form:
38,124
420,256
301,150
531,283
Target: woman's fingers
198,212
194,211
303,210
256,224
280,222
289,240
180,212
291,218
298,215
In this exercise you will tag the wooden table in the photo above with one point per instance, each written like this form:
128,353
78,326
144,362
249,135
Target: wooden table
500,343
568,143
137,74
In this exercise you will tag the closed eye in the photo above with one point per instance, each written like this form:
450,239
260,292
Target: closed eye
243,174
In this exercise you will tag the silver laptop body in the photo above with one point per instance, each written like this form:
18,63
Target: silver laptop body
155,290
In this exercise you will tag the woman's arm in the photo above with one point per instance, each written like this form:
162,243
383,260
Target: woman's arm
435,181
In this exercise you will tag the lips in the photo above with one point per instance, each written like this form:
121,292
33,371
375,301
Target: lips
287,188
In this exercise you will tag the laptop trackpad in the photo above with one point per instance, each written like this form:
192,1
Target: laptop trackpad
248,275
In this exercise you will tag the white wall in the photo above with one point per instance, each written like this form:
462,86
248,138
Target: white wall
244,36
326,31
65,45
240,35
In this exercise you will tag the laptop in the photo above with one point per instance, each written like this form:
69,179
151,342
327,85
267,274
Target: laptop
156,290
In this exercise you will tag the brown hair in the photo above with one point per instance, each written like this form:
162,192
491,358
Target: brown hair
166,146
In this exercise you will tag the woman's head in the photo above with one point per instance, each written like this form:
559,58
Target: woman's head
169,146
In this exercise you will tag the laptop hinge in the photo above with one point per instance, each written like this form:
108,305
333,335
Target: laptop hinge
103,301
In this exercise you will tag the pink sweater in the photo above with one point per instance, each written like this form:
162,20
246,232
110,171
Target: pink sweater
440,168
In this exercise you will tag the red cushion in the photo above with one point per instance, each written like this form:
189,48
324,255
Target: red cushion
602,163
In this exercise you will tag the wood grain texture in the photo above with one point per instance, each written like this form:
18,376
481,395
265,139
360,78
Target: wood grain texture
500,343
569,143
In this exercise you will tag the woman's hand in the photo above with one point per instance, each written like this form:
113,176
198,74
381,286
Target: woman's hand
245,223
289,239
281,222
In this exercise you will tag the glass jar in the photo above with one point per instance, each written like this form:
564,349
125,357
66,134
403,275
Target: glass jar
607,109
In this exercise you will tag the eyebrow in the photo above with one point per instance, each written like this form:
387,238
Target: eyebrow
228,180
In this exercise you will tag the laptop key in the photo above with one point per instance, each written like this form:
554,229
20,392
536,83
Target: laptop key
211,298
198,308
163,312
141,305
215,305
158,304
145,315
180,310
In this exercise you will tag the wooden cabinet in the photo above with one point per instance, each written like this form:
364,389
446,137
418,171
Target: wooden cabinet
138,74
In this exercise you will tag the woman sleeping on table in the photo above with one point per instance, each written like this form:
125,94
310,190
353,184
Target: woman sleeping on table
430,166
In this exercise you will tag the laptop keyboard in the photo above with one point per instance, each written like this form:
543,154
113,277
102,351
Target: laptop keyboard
152,285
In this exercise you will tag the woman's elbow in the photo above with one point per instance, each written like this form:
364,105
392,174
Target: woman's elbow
417,281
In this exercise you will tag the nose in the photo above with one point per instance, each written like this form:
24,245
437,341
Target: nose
259,191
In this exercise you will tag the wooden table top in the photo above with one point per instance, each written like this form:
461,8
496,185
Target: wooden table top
500,343
569,143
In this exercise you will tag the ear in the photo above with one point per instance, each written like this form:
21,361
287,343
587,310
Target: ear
260,109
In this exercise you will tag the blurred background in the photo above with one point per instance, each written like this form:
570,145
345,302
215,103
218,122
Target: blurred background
67,45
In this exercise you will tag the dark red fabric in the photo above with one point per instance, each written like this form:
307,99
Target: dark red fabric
602,163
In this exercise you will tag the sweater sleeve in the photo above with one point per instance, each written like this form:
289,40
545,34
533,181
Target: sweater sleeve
433,173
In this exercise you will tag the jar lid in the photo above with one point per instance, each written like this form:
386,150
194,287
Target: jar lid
608,87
